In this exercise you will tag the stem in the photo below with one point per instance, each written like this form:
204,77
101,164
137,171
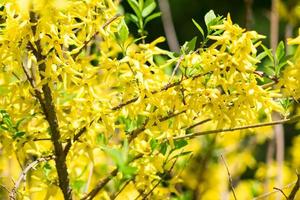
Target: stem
192,135
48,108
13,193
165,88
229,177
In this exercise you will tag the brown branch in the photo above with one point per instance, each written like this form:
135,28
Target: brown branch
165,88
48,108
295,188
74,56
229,178
198,124
280,190
104,181
134,134
76,137
192,135
291,196
13,193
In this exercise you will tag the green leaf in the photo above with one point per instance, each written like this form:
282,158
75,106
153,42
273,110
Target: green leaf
131,17
163,148
123,31
6,120
128,171
209,17
180,143
262,55
149,7
189,46
280,51
153,144
269,53
198,27
78,185
151,17
18,134
135,7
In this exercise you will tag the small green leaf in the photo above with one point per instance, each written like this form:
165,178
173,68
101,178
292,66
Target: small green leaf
131,17
189,46
128,171
209,17
151,17
123,31
198,27
135,7
180,143
153,144
261,56
18,134
280,51
149,7
163,148
269,53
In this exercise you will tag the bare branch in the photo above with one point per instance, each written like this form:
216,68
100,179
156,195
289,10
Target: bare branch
192,135
13,193
176,68
291,196
104,181
229,178
295,188
280,190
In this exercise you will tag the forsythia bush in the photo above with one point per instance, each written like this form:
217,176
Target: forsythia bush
89,111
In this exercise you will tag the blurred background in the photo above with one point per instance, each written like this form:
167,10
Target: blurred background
251,14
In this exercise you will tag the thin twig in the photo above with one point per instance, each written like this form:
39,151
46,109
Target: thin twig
5,188
192,135
89,177
176,68
291,196
95,34
280,190
22,177
133,134
165,88
104,181
229,178
114,196
198,124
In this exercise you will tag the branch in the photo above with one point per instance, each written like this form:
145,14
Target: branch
48,108
165,88
74,56
13,193
280,190
291,196
136,132
229,177
104,181
192,135
295,188
176,67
